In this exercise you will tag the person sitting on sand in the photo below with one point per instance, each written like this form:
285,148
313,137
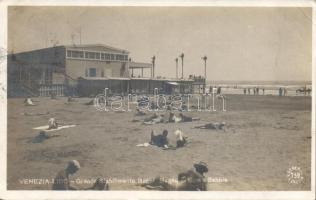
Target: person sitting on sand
187,118
191,180
61,181
216,126
194,180
181,140
174,118
160,140
52,124
29,102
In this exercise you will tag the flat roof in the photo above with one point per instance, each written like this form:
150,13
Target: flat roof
96,45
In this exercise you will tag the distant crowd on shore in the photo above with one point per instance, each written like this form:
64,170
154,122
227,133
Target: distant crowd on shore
254,91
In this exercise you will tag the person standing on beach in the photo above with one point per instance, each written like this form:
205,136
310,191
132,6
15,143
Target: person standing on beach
245,91
280,91
249,91
219,90
262,91
257,91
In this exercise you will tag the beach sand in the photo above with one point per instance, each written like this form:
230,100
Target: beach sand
264,137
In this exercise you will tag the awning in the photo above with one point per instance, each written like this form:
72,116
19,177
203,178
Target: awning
173,83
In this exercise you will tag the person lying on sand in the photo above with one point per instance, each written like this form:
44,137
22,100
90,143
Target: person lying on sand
160,140
61,181
216,126
187,118
28,102
182,118
42,136
154,119
191,180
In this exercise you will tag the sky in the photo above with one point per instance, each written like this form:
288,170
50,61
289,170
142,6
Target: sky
241,43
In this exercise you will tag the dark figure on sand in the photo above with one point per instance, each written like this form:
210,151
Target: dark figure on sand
42,136
257,91
280,91
191,180
160,140
215,126
187,118
219,90
61,181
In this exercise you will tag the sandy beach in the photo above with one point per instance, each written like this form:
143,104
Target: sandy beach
264,137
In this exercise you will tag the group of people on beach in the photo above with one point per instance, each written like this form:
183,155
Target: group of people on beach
191,180
254,91
282,91
160,118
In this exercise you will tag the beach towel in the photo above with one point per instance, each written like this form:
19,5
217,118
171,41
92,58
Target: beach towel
143,145
45,128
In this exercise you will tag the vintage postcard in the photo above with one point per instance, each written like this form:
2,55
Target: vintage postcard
144,101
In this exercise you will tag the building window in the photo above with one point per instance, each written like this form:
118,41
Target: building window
74,54
119,57
80,54
97,56
107,56
90,55
69,54
92,72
